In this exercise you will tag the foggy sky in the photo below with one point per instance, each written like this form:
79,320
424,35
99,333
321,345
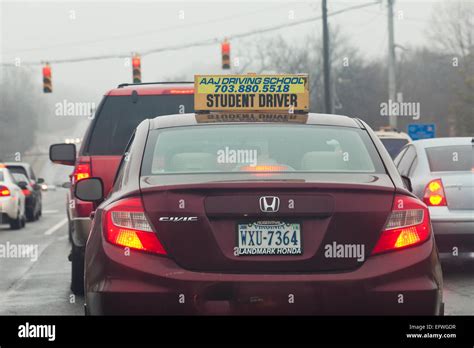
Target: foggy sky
39,31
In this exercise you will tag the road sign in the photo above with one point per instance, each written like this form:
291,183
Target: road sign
418,131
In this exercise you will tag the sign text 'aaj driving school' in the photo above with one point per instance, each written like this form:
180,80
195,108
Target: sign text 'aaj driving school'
287,93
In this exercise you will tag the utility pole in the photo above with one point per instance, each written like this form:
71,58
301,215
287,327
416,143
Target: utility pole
327,65
392,89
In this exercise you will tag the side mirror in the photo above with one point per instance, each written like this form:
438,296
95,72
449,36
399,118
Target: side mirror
23,185
89,190
63,154
407,182
40,181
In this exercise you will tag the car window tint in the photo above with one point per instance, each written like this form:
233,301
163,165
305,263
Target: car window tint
122,166
244,148
450,158
119,116
393,146
19,177
18,169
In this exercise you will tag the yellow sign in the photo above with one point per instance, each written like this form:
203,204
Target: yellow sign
283,93
251,117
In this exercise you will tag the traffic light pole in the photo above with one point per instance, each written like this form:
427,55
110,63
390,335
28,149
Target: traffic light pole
327,65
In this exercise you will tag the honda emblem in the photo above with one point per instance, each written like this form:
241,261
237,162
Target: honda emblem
269,204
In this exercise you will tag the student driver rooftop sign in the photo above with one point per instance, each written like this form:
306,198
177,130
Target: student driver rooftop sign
276,93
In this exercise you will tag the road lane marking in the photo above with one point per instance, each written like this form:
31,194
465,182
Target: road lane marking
50,211
56,227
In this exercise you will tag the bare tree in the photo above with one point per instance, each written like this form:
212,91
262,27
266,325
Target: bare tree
452,34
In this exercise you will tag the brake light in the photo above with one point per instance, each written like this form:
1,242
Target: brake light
179,91
126,225
4,191
264,168
82,170
434,194
408,225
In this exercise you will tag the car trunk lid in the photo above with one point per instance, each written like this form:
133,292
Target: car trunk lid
340,218
459,189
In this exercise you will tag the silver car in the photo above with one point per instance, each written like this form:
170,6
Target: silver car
441,174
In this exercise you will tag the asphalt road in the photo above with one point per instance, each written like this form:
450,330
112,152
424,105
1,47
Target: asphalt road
30,286
39,284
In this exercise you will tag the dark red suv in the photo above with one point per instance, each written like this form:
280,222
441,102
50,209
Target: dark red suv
117,116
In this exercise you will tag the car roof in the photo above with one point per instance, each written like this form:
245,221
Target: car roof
158,88
448,141
310,119
383,134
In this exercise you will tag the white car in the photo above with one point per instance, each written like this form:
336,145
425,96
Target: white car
393,140
12,200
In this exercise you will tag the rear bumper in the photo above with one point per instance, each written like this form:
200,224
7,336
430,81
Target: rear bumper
407,282
8,208
30,202
454,233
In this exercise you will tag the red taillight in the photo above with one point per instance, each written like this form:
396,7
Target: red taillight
82,170
179,91
407,225
126,225
4,191
434,194
26,192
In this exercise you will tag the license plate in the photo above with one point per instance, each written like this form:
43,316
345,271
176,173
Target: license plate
269,238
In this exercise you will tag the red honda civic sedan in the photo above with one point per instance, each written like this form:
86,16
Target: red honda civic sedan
219,214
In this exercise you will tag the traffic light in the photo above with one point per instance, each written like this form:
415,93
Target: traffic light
137,69
47,84
225,48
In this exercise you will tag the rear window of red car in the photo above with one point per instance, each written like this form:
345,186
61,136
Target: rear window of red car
120,115
227,149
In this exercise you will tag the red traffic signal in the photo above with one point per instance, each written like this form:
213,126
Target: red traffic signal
47,82
225,50
137,69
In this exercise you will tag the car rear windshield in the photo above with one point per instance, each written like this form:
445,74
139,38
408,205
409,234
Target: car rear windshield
393,146
119,116
17,169
1,176
455,158
19,177
259,148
